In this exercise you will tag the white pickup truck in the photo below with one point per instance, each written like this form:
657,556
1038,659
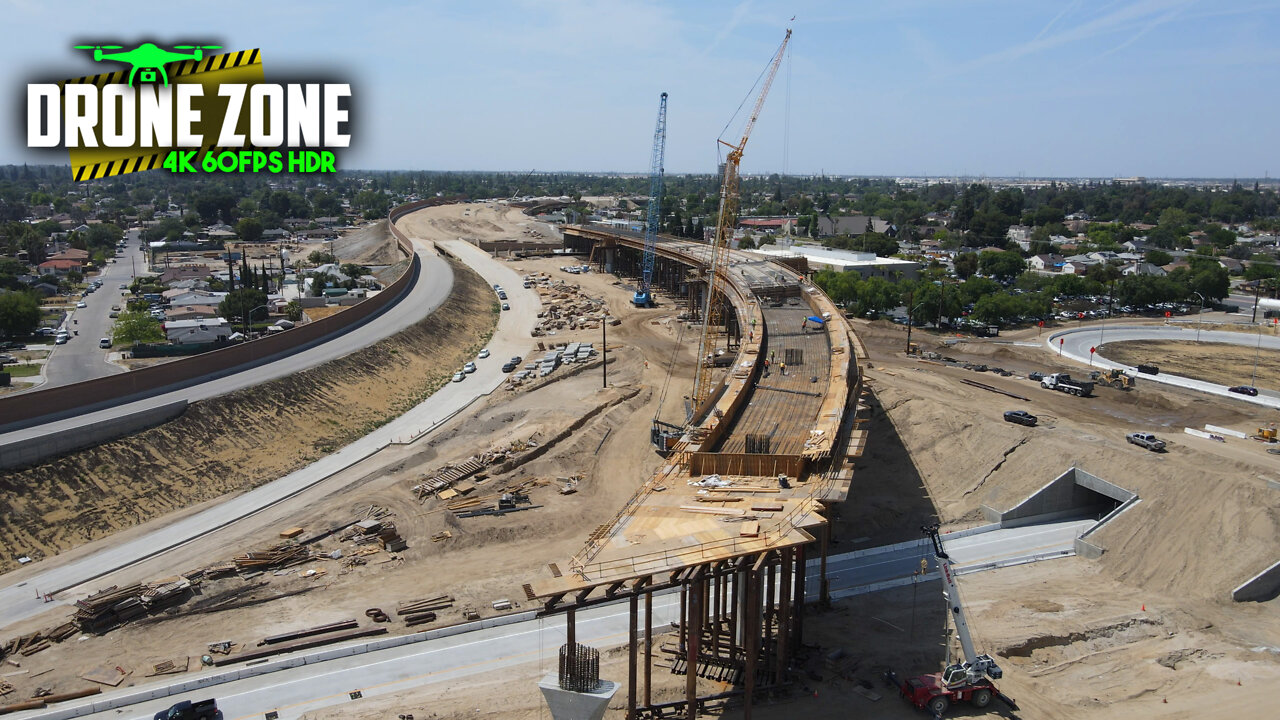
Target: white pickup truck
1146,440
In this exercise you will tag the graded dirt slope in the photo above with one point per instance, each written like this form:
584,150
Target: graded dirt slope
241,440
370,245
1212,362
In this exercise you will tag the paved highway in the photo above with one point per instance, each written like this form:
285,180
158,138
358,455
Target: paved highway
431,289
488,652
81,358
1076,344
17,589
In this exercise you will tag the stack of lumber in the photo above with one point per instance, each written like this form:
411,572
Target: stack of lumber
277,556
447,476
170,667
417,612
25,645
107,608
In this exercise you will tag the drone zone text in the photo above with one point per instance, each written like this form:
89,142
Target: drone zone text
151,116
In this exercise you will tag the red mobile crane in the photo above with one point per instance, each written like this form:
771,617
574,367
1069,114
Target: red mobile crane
970,679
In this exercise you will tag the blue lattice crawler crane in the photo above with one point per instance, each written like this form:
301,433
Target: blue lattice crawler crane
644,295
968,680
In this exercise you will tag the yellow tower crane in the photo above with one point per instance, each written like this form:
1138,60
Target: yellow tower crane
711,313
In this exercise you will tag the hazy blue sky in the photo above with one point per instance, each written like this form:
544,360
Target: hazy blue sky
895,87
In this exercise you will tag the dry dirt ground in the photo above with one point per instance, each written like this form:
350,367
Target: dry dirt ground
1072,635
278,427
1212,362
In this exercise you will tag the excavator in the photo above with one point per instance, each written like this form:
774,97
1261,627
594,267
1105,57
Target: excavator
968,680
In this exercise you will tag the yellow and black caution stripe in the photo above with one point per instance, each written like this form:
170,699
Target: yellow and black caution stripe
243,66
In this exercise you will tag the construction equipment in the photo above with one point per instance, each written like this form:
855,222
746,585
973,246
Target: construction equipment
644,295
970,679
1062,382
728,219
1113,378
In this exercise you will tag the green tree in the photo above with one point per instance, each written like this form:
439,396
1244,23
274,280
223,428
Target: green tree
19,313
239,303
320,257
133,327
1158,257
966,264
1002,265
249,229
293,311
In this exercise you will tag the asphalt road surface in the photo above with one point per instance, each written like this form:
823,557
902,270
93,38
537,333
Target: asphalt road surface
1076,344
18,598
81,358
493,652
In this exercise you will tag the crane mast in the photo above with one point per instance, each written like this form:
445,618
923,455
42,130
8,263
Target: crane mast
644,296
729,199
972,666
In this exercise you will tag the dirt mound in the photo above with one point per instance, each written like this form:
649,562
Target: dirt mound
370,245
279,426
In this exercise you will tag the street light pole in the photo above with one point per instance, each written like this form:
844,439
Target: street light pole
1199,315
249,315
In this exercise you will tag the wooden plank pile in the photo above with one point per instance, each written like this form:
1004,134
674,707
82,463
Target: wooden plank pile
417,612
170,667
109,607
449,475
277,556
26,645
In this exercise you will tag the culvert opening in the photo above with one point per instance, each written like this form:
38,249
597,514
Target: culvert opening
1073,495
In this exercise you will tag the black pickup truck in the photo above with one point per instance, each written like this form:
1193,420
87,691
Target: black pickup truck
187,710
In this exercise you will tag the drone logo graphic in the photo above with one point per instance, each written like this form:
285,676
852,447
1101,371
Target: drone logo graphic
148,58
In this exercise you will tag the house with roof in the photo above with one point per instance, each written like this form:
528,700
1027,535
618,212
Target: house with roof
1046,263
71,254
851,225
1020,234
182,332
1143,268
59,268
191,312
771,225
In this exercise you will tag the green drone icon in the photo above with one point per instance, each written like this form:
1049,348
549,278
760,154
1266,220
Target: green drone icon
148,58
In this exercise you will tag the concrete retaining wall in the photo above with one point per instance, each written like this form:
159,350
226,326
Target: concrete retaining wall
1261,587
31,451
40,406
1074,492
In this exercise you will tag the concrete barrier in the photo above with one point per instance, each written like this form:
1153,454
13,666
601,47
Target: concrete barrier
1197,433
20,453
1226,431
1261,587
40,406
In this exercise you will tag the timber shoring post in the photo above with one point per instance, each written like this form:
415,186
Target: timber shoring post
784,615
684,615
717,588
798,635
648,649
631,656
691,657
751,638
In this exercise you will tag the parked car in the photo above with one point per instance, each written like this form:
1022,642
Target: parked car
61,339
508,367
1149,369
82,304
469,368
505,306
1249,390
104,343
124,286
187,710
1021,417
6,359
114,314
1035,376
516,360
459,377
1146,440
483,354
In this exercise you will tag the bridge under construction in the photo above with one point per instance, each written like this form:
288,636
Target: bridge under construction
734,515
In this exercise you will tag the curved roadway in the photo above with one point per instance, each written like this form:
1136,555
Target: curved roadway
429,290
18,598
1077,341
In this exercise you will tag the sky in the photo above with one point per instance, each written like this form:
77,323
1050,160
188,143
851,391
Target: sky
1053,88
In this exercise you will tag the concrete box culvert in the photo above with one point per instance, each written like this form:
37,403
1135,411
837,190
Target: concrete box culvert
1073,494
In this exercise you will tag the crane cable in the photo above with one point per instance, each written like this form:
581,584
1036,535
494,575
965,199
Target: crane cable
671,367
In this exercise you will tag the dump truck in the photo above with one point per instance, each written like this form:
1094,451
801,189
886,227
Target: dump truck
1063,382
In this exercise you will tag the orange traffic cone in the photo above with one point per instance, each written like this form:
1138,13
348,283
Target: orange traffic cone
1144,607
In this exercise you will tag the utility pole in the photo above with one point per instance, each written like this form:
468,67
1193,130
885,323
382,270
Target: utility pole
1257,292
910,297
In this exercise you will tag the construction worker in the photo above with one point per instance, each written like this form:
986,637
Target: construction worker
784,368
766,368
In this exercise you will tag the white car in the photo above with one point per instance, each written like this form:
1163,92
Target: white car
61,339
459,377
82,304
469,367
483,354
104,343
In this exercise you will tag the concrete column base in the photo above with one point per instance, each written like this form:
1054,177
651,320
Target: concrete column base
569,705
